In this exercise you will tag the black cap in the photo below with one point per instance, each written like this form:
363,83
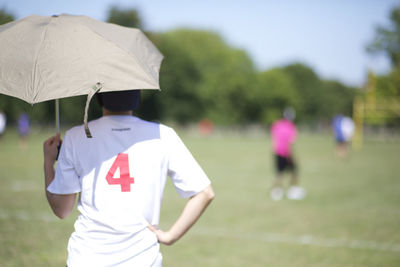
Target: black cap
120,100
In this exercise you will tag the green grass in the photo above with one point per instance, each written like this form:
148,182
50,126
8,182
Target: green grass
350,216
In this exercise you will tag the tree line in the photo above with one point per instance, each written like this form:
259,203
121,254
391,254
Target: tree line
202,77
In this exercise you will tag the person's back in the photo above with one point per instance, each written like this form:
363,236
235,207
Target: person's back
283,133
120,174
115,204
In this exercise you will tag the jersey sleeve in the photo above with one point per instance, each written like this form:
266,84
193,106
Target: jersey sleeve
186,174
66,180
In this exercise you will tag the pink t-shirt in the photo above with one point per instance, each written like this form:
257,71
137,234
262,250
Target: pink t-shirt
283,133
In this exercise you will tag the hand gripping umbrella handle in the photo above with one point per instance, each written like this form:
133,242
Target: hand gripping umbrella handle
95,88
58,125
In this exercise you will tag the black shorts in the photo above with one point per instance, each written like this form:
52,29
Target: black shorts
284,163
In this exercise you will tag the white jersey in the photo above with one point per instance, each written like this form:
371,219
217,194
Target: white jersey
120,174
3,121
347,125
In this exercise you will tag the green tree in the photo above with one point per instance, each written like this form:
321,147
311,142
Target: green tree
309,90
387,39
274,92
179,99
213,78
124,17
336,98
388,86
5,17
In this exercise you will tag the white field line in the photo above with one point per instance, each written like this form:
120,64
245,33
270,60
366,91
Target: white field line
23,215
299,240
250,236
22,186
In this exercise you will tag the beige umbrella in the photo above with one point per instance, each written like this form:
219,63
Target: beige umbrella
44,58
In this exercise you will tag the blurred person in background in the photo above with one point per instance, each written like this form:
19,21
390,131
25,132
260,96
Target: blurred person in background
343,130
24,127
3,123
284,135
206,127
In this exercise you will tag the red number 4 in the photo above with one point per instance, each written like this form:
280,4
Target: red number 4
125,179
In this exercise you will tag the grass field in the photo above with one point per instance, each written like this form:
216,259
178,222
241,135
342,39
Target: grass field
350,217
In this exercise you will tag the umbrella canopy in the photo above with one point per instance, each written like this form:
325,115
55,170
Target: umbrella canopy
44,58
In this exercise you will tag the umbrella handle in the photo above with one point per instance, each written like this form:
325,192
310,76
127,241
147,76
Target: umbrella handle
57,116
95,88
58,125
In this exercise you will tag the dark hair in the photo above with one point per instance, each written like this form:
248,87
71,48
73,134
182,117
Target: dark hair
119,100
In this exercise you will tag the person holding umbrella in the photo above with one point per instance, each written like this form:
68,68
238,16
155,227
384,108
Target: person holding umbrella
120,175
120,168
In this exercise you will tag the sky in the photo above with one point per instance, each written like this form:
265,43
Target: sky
329,36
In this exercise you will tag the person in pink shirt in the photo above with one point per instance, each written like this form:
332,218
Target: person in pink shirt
284,134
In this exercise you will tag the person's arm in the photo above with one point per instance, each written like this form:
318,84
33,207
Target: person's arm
61,205
190,214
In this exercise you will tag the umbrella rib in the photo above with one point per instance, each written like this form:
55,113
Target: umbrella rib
126,51
34,71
